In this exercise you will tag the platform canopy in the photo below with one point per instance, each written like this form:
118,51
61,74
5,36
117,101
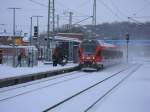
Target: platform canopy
62,38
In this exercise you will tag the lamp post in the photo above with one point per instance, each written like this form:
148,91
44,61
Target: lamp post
14,31
31,31
14,20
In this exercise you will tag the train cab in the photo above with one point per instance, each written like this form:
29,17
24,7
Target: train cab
97,54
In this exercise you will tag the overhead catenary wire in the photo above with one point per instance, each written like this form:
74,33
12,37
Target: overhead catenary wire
80,15
141,17
108,8
129,18
71,9
117,9
134,20
83,4
44,5
143,8
82,20
39,3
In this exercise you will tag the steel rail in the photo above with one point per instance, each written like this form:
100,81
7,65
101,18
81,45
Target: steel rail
110,90
33,90
37,82
79,93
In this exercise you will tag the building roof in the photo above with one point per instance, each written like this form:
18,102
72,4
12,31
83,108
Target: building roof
70,34
66,39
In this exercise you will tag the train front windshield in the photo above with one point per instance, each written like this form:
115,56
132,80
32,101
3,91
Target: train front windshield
88,48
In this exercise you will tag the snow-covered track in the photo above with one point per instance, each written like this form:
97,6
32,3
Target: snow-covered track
36,82
89,88
61,79
110,90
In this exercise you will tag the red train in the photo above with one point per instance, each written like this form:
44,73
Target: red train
97,54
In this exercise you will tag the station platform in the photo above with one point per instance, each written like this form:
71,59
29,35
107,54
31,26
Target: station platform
14,75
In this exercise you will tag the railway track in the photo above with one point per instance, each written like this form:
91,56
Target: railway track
109,91
57,105
53,91
34,82
61,79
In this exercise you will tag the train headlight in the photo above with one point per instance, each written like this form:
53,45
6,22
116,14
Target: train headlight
83,57
93,58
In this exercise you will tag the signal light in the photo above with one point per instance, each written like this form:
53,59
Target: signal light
35,31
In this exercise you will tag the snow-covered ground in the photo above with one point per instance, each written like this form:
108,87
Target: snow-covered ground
38,97
130,96
7,71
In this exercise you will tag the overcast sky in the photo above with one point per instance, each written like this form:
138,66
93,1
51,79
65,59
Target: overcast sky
107,11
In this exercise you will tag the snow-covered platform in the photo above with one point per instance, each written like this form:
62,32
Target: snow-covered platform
13,73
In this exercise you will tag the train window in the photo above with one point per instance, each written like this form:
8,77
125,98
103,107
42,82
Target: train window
88,48
105,53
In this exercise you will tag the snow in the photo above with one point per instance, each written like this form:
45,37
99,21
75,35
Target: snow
89,97
7,71
43,97
130,96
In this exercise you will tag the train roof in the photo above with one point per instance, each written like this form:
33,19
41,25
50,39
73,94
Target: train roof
101,43
105,44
